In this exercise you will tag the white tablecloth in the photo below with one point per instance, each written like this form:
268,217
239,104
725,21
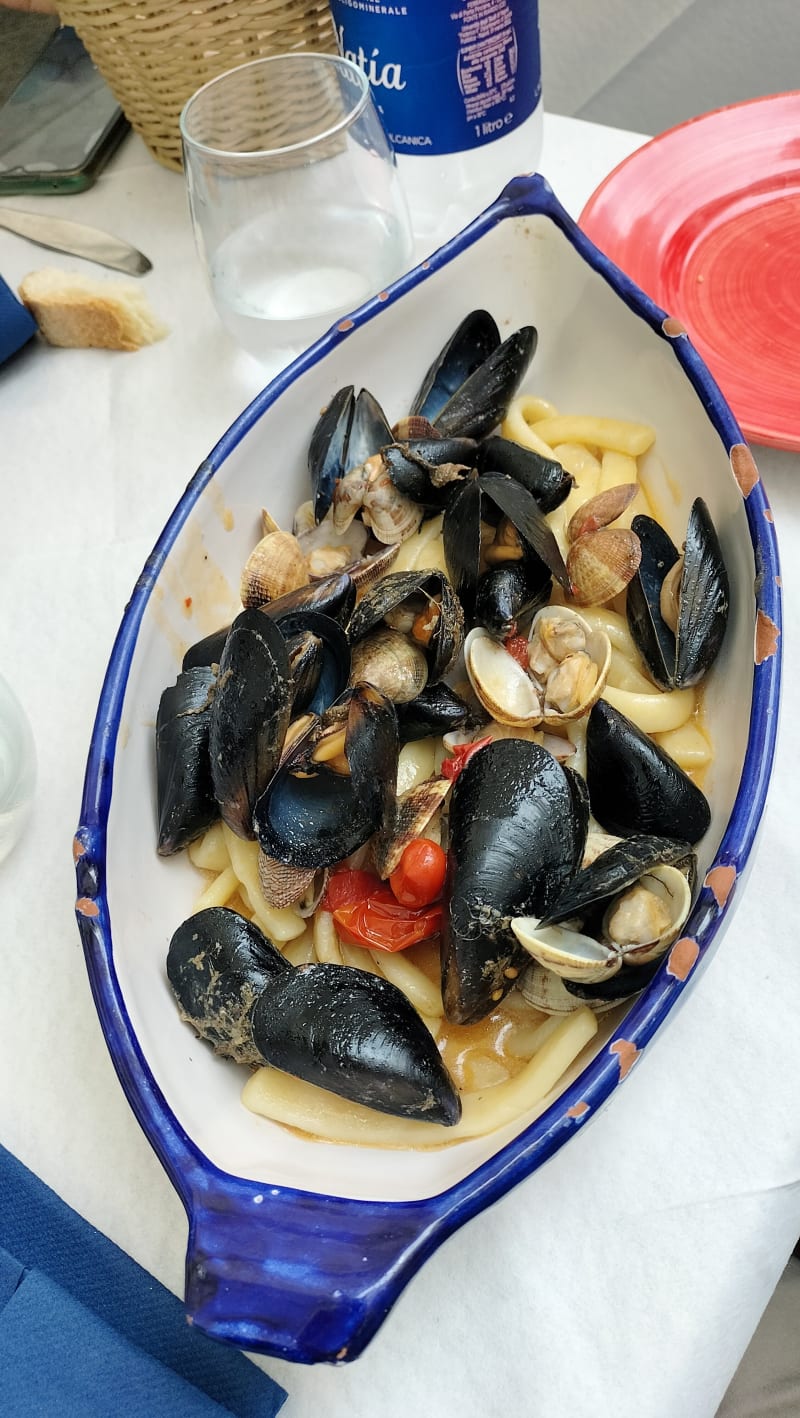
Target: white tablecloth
626,1277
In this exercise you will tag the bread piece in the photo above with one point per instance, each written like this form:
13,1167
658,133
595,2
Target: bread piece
76,312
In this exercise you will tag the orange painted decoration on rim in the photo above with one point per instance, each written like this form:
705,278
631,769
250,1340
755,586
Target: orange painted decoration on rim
683,958
578,1110
744,468
78,849
720,881
85,906
627,1054
767,635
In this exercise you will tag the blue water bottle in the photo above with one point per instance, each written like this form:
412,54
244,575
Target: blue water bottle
458,86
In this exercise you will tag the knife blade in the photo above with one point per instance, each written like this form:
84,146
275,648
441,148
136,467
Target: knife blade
75,239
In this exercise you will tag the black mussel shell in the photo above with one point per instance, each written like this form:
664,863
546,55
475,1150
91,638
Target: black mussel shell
481,403
635,786
333,595
206,652
545,478
461,532
356,1035
305,663
331,671
704,600
517,830
413,467
508,594
614,870
679,661
651,634
327,451
311,816
629,980
218,964
249,716
437,710
395,588
186,805
369,431
467,349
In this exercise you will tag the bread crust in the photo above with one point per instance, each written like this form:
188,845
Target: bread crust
76,313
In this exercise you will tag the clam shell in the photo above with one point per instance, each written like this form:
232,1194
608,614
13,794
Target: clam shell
568,953
275,565
671,892
602,563
596,645
600,510
503,686
390,662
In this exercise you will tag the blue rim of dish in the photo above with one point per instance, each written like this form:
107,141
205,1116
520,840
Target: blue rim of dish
309,1277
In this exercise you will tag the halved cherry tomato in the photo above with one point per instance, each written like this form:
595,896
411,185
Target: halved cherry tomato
462,753
346,887
379,922
517,647
419,877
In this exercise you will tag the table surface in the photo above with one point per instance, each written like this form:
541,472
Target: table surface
625,1277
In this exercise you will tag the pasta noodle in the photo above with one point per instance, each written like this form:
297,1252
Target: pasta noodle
289,1100
616,434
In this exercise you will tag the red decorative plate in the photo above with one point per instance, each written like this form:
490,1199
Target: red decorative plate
706,219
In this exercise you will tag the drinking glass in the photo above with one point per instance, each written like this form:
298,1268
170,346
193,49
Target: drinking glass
297,208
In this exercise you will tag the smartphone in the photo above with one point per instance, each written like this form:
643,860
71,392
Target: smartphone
61,123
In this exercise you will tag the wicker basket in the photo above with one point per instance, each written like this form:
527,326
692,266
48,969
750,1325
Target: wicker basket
154,55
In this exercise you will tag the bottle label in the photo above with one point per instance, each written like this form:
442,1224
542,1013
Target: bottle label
446,75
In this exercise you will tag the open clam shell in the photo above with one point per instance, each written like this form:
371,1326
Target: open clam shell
570,659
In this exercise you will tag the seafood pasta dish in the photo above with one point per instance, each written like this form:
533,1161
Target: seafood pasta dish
442,777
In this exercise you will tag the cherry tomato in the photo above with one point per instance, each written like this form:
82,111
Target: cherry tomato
517,647
462,753
347,887
379,922
419,877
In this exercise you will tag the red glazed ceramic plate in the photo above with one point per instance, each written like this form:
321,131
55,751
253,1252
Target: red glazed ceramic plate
706,219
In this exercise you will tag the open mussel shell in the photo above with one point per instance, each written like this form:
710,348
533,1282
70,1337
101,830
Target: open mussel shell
249,716
356,1035
431,587
468,347
312,815
616,869
482,401
369,431
218,964
436,710
186,805
461,532
333,595
680,659
634,784
545,478
327,450
331,665
518,824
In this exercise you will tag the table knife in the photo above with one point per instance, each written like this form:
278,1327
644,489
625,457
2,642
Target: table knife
76,240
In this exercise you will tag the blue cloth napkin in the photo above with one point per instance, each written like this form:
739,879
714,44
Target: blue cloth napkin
84,1330
17,325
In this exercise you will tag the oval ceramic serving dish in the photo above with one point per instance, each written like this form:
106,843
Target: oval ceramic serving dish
274,1264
